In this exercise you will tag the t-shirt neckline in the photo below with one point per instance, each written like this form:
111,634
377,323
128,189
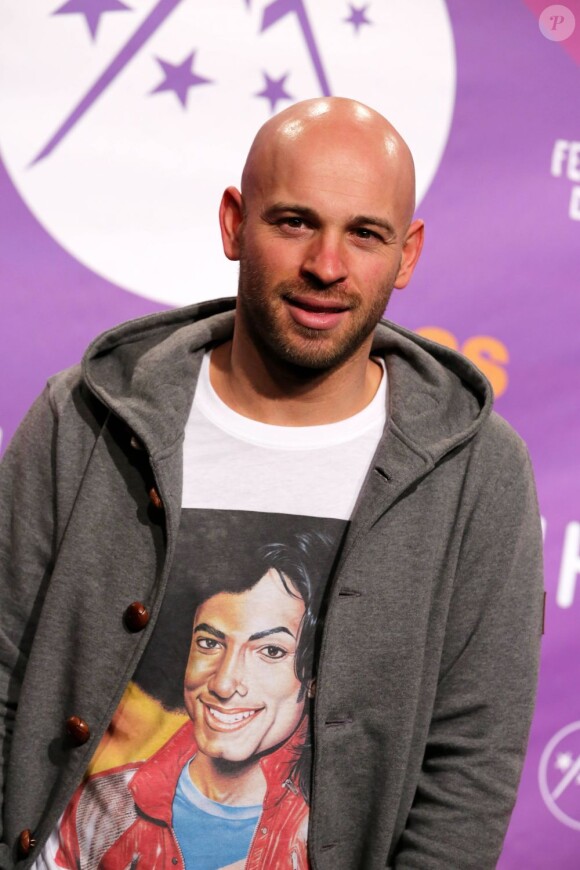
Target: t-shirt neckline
243,428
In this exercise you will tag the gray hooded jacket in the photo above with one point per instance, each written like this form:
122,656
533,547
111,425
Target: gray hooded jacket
428,663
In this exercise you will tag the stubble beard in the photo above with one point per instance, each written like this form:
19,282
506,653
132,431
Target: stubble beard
312,350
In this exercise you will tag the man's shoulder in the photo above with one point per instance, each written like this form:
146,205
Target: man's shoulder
445,401
63,384
72,404
498,438
499,465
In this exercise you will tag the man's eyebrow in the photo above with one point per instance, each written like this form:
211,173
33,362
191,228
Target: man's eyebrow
203,626
312,216
280,207
260,634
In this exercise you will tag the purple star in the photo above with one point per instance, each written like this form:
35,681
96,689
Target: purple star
179,78
273,90
92,10
357,17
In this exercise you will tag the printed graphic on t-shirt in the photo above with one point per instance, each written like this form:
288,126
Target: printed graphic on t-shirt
207,762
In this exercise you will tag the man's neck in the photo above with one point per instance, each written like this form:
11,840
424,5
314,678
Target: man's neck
274,393
241,784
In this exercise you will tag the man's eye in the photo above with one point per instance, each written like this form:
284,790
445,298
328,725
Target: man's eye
363,233
294,223
208,643
274,652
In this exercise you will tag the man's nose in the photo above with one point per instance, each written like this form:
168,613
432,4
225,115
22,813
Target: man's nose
325,259
229,678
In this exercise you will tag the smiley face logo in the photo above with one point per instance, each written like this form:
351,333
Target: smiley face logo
126,119
559,775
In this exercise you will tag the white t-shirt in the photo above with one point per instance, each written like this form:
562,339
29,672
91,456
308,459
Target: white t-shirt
234,463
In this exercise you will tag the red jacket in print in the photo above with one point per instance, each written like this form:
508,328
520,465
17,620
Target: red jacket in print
121,818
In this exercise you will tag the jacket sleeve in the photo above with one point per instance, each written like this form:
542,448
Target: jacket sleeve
27,522
486,690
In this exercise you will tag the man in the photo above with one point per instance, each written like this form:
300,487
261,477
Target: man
236,766
301,404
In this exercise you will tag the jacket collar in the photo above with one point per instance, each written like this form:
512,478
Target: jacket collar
146,370
153,786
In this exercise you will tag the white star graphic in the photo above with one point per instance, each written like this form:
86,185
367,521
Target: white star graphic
563,761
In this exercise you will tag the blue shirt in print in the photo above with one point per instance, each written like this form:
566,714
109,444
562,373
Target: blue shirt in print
210,835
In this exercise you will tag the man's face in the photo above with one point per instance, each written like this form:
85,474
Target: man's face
241,691
320,249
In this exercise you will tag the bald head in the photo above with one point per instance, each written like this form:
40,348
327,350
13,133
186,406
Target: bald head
311,131
323,232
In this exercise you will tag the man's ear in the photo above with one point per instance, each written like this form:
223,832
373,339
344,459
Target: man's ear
231,217
411,251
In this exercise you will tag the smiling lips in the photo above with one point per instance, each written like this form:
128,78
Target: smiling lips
316,313
220,719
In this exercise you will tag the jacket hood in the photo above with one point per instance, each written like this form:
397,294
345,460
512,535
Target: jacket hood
145,371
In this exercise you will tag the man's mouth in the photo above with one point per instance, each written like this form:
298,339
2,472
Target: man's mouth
316,313
222,719
312,303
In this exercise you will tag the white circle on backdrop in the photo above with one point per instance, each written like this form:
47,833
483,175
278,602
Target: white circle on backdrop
97,139
559,775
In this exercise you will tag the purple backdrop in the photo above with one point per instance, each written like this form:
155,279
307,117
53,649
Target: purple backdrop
499,275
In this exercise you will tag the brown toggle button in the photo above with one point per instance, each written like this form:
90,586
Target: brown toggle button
26,842
78,729
136,616
155,499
